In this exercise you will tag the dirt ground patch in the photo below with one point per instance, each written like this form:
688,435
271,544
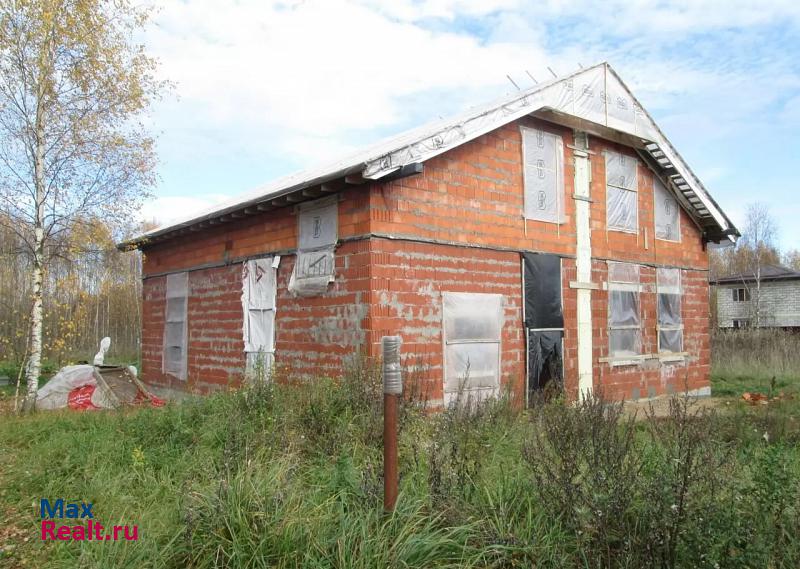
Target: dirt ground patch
659,406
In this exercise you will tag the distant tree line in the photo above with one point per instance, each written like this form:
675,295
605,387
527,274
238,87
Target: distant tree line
93,290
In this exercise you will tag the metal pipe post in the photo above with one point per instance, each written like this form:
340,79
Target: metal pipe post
392,390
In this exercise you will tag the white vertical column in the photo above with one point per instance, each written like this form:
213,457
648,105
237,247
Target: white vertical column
583,262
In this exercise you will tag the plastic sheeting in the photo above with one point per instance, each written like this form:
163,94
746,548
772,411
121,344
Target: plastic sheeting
85,387
621,171
624,306
175,325
259,288
313,271
670,320
667,213
314,265
543,310
542,291
669,309
624,319
623,272
670,340
625,342
543,175
545,358
590,95
55,393
472,329
318,224
469,316
621,190
472,365
621,208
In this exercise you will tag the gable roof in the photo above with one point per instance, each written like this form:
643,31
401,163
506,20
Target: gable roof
768,273
594,99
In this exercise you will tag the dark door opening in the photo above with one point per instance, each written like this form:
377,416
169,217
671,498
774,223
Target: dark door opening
544,323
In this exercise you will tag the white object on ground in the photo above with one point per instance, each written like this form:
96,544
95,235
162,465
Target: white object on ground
100,356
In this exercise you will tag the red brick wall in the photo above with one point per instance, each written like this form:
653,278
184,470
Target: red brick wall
314,336
214,326
320,335
474,195
275,230
651,377
471,195
407,283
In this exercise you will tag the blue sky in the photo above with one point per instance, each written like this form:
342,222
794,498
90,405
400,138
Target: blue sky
266,88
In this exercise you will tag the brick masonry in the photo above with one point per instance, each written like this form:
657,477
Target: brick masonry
457,227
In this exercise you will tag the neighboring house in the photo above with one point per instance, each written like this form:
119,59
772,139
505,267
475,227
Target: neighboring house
779,294
553,233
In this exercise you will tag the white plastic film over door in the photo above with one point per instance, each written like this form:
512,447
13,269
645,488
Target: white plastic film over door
543,175
259,289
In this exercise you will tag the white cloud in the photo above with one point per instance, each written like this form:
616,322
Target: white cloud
318,67
620,17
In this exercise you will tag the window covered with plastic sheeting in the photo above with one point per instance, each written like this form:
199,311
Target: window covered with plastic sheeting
621,192
667,213
624,320
473,324
543,175
317,235
670,320
173,360
259,289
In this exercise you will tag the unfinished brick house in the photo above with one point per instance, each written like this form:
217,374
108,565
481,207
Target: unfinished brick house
553,235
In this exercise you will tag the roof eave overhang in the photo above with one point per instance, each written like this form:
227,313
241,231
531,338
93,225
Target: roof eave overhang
304,191
748,280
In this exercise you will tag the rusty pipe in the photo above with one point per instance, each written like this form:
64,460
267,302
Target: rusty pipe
392,390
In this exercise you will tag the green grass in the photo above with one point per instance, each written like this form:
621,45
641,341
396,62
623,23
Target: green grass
734,385
291,477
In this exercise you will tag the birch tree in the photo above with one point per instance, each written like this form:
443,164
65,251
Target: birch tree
74,90
758,242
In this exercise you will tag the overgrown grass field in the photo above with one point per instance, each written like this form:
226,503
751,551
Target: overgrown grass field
290,476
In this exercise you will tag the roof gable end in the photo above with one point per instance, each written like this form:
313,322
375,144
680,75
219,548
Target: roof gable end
593,99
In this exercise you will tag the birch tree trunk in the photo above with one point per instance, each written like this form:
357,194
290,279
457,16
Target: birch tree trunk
37,277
